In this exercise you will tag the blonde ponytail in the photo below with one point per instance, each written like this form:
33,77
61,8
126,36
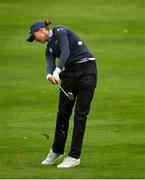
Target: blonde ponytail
47,22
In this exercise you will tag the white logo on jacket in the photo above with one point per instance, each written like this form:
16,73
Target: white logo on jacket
50,50
60,29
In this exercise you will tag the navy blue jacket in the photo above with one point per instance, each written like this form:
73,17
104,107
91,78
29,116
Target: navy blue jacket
66,46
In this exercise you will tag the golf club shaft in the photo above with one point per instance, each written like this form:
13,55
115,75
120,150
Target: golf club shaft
62,89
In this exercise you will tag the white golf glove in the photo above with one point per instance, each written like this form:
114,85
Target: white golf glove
56,73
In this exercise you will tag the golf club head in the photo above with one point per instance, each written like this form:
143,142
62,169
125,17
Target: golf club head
70,96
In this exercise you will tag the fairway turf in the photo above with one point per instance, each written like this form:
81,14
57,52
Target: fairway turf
114,143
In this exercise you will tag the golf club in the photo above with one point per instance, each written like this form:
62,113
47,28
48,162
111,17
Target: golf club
69,94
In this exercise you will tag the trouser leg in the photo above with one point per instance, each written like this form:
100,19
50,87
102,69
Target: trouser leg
62,122
84,99
87,84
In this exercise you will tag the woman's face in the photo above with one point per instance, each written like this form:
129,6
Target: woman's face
41,35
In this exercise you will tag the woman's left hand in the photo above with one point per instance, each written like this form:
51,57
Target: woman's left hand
56,73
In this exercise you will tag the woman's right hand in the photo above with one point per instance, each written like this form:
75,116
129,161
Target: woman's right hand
52,79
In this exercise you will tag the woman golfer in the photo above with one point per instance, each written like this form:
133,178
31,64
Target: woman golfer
77,70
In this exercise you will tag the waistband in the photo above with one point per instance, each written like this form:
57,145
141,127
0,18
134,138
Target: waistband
85,60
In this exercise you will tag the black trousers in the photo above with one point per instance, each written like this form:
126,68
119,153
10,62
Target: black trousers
80,79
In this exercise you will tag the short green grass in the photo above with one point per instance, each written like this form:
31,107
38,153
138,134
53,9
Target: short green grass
114,143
